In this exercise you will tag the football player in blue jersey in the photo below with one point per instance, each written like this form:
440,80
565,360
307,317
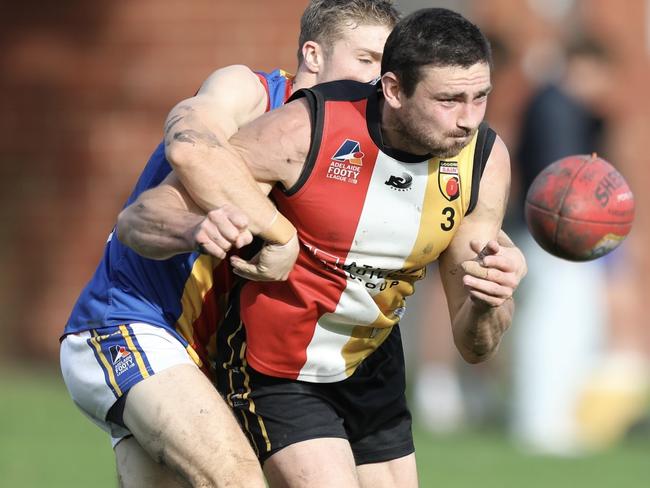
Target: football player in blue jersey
128,353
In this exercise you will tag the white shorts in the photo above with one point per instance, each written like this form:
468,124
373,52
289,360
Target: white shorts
99,366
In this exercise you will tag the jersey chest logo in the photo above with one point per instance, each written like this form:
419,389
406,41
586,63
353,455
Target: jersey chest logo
449,180
400,183
346,163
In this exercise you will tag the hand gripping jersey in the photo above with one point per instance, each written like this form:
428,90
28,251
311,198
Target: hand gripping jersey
370,219
185,294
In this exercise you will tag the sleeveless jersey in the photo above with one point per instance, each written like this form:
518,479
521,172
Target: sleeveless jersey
369,219
185,294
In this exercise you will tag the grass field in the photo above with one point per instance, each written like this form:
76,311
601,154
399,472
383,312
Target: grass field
46,442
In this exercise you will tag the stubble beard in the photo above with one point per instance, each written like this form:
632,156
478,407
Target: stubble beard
422,142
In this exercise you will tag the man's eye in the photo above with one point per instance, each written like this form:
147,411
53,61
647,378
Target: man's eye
365,60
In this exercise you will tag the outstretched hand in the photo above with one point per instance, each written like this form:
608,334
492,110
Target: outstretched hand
494,274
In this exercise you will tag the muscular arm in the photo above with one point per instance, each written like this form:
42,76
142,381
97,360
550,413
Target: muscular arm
164,221
196,145
160,223
475,271
274,147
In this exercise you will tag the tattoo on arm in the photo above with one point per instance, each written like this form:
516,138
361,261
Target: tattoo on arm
172,122
195,137
191,136
184,110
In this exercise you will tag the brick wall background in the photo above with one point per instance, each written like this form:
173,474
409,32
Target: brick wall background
85,86
84,89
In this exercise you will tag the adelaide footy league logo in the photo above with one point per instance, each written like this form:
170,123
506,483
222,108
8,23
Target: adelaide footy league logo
346,163
122,359
449,180
350,151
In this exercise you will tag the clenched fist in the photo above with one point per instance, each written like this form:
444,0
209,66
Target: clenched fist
493,276
220,230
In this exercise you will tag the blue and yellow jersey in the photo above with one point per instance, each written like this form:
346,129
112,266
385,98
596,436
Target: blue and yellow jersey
185,294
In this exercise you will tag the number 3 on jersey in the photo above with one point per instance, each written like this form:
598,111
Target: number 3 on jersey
449,213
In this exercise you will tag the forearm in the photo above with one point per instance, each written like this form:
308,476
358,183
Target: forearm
478,329
214,174
155,232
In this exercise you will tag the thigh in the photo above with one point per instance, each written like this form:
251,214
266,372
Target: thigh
276,412
178,417
400,472
171,408
316,463
100,366
136,469
295,431
373,403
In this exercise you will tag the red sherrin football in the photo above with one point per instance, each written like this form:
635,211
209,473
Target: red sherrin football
579,208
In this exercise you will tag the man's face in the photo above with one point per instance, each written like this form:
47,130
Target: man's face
444,112
356,55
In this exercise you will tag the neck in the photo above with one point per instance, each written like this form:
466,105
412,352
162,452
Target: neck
303,79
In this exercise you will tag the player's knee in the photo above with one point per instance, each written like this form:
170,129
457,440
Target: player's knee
229,467
236,473
136,468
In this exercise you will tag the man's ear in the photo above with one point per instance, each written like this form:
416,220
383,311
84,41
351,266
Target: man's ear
392,90
312,55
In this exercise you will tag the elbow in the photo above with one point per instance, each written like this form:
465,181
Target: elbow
135,239
472,357
477,352
123,229
179,155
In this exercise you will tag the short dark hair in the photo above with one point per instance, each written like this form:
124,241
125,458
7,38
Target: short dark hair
324,20
432,37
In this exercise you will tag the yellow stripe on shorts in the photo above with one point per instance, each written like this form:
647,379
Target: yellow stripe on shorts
251,403
94,340
134,350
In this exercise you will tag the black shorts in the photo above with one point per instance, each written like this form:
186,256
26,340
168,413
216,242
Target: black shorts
368,408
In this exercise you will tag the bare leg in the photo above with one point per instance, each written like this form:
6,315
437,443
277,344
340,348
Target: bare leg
316,463
178,417
400,472
137,469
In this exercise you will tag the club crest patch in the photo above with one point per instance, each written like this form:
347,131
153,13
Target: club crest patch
449,180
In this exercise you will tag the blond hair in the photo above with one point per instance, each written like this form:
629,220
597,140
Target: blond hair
324,20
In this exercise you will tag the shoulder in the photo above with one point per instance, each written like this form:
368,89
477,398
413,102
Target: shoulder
496,174
499,159
292,118
275,145
236,76
494,185
235,90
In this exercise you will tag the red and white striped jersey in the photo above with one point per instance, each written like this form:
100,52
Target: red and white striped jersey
369,219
